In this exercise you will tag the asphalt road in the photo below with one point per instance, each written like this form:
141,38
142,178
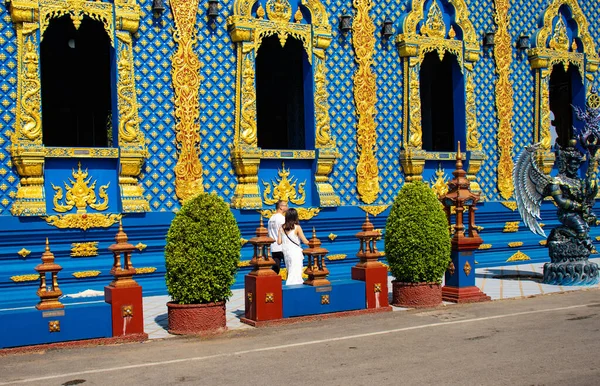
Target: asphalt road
547,340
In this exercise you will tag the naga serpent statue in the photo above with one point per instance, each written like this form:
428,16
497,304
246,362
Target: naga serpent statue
569,244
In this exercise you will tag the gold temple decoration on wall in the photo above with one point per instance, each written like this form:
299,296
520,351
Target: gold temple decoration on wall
85,274
365,99
186,85
374,210
80,194
247,30
438,182
86,249
420,34
303,213
24,252
286,189
25,278
511,226
512,205
120,20
551,46
518,256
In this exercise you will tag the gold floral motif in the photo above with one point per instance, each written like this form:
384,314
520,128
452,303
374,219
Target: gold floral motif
284,189
84,249
365,99
340,256
54,326
434,25
248,108
245,263
438,185
504,98
471,109
291,154
129,130
332,236
83,221
511,227
543,242
186,85
84,274
415,134
303,213
298,15
515,244
485,246
324,299
374,210
324,139
80,194
512,205
243,241
467,268
518,256
81,152
545,136
30,122
269,297
24,252
24,278
141,246
145,270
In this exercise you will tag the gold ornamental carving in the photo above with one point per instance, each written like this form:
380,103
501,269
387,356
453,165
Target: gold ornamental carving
511,227
438,182
485,246
83,221
420,34
512,205
560,39
247,30
467,268
80,194
365,99
515,244
86,249
186,85
24,252
85,274
304,214
141,246
518,256
145,270
504,98
25,278
340,256
284,188
374,210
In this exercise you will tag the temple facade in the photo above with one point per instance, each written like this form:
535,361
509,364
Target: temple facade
120,110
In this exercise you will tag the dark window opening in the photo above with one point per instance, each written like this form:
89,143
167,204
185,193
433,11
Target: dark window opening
561,99
437,103
76,84
280,94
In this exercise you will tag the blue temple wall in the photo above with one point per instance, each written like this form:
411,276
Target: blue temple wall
154,46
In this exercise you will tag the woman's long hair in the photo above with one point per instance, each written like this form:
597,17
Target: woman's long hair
291,219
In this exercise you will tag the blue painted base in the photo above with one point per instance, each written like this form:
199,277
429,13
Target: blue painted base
341,295
584,273
30,326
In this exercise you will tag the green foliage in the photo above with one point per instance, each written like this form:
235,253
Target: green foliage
417,242
202,251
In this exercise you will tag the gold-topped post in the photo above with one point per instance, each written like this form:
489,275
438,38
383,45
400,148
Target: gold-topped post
316,270
48,292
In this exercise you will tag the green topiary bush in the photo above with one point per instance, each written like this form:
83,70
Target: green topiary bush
417,242
202,251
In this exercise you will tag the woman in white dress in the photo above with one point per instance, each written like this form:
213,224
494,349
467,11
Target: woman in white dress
289,237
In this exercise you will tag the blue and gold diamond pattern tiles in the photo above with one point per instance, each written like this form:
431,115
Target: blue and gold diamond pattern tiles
592,12
217,100
8,96
153,48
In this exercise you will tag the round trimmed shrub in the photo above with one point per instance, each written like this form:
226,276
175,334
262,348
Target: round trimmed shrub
417,241
202,251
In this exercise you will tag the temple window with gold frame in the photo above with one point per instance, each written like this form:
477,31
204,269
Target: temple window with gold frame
564,60
438,47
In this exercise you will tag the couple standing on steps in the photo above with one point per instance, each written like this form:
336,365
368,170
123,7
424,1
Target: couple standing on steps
283,227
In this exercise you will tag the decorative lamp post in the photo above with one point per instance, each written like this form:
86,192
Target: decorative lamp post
369,269
124,294
262,286
261,258
317,271
48,291
460,276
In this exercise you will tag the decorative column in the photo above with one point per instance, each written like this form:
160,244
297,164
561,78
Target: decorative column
124,294
317,271
460,277
369,270
262,285
48,291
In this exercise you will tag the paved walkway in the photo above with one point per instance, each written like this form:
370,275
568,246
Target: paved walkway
514,281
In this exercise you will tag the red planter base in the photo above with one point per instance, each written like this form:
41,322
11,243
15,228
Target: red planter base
416,295
197,319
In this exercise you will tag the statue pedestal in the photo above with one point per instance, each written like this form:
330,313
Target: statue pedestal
263,297
569,264
460,280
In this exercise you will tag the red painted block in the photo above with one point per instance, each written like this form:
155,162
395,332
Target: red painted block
263,297
127,309
376,284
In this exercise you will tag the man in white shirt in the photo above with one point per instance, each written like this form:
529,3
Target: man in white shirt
275,222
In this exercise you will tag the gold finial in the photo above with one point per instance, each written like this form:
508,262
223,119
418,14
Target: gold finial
451,33
261,221
298,15
314,233
458,158
574,45
458,155
260,12
47,245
